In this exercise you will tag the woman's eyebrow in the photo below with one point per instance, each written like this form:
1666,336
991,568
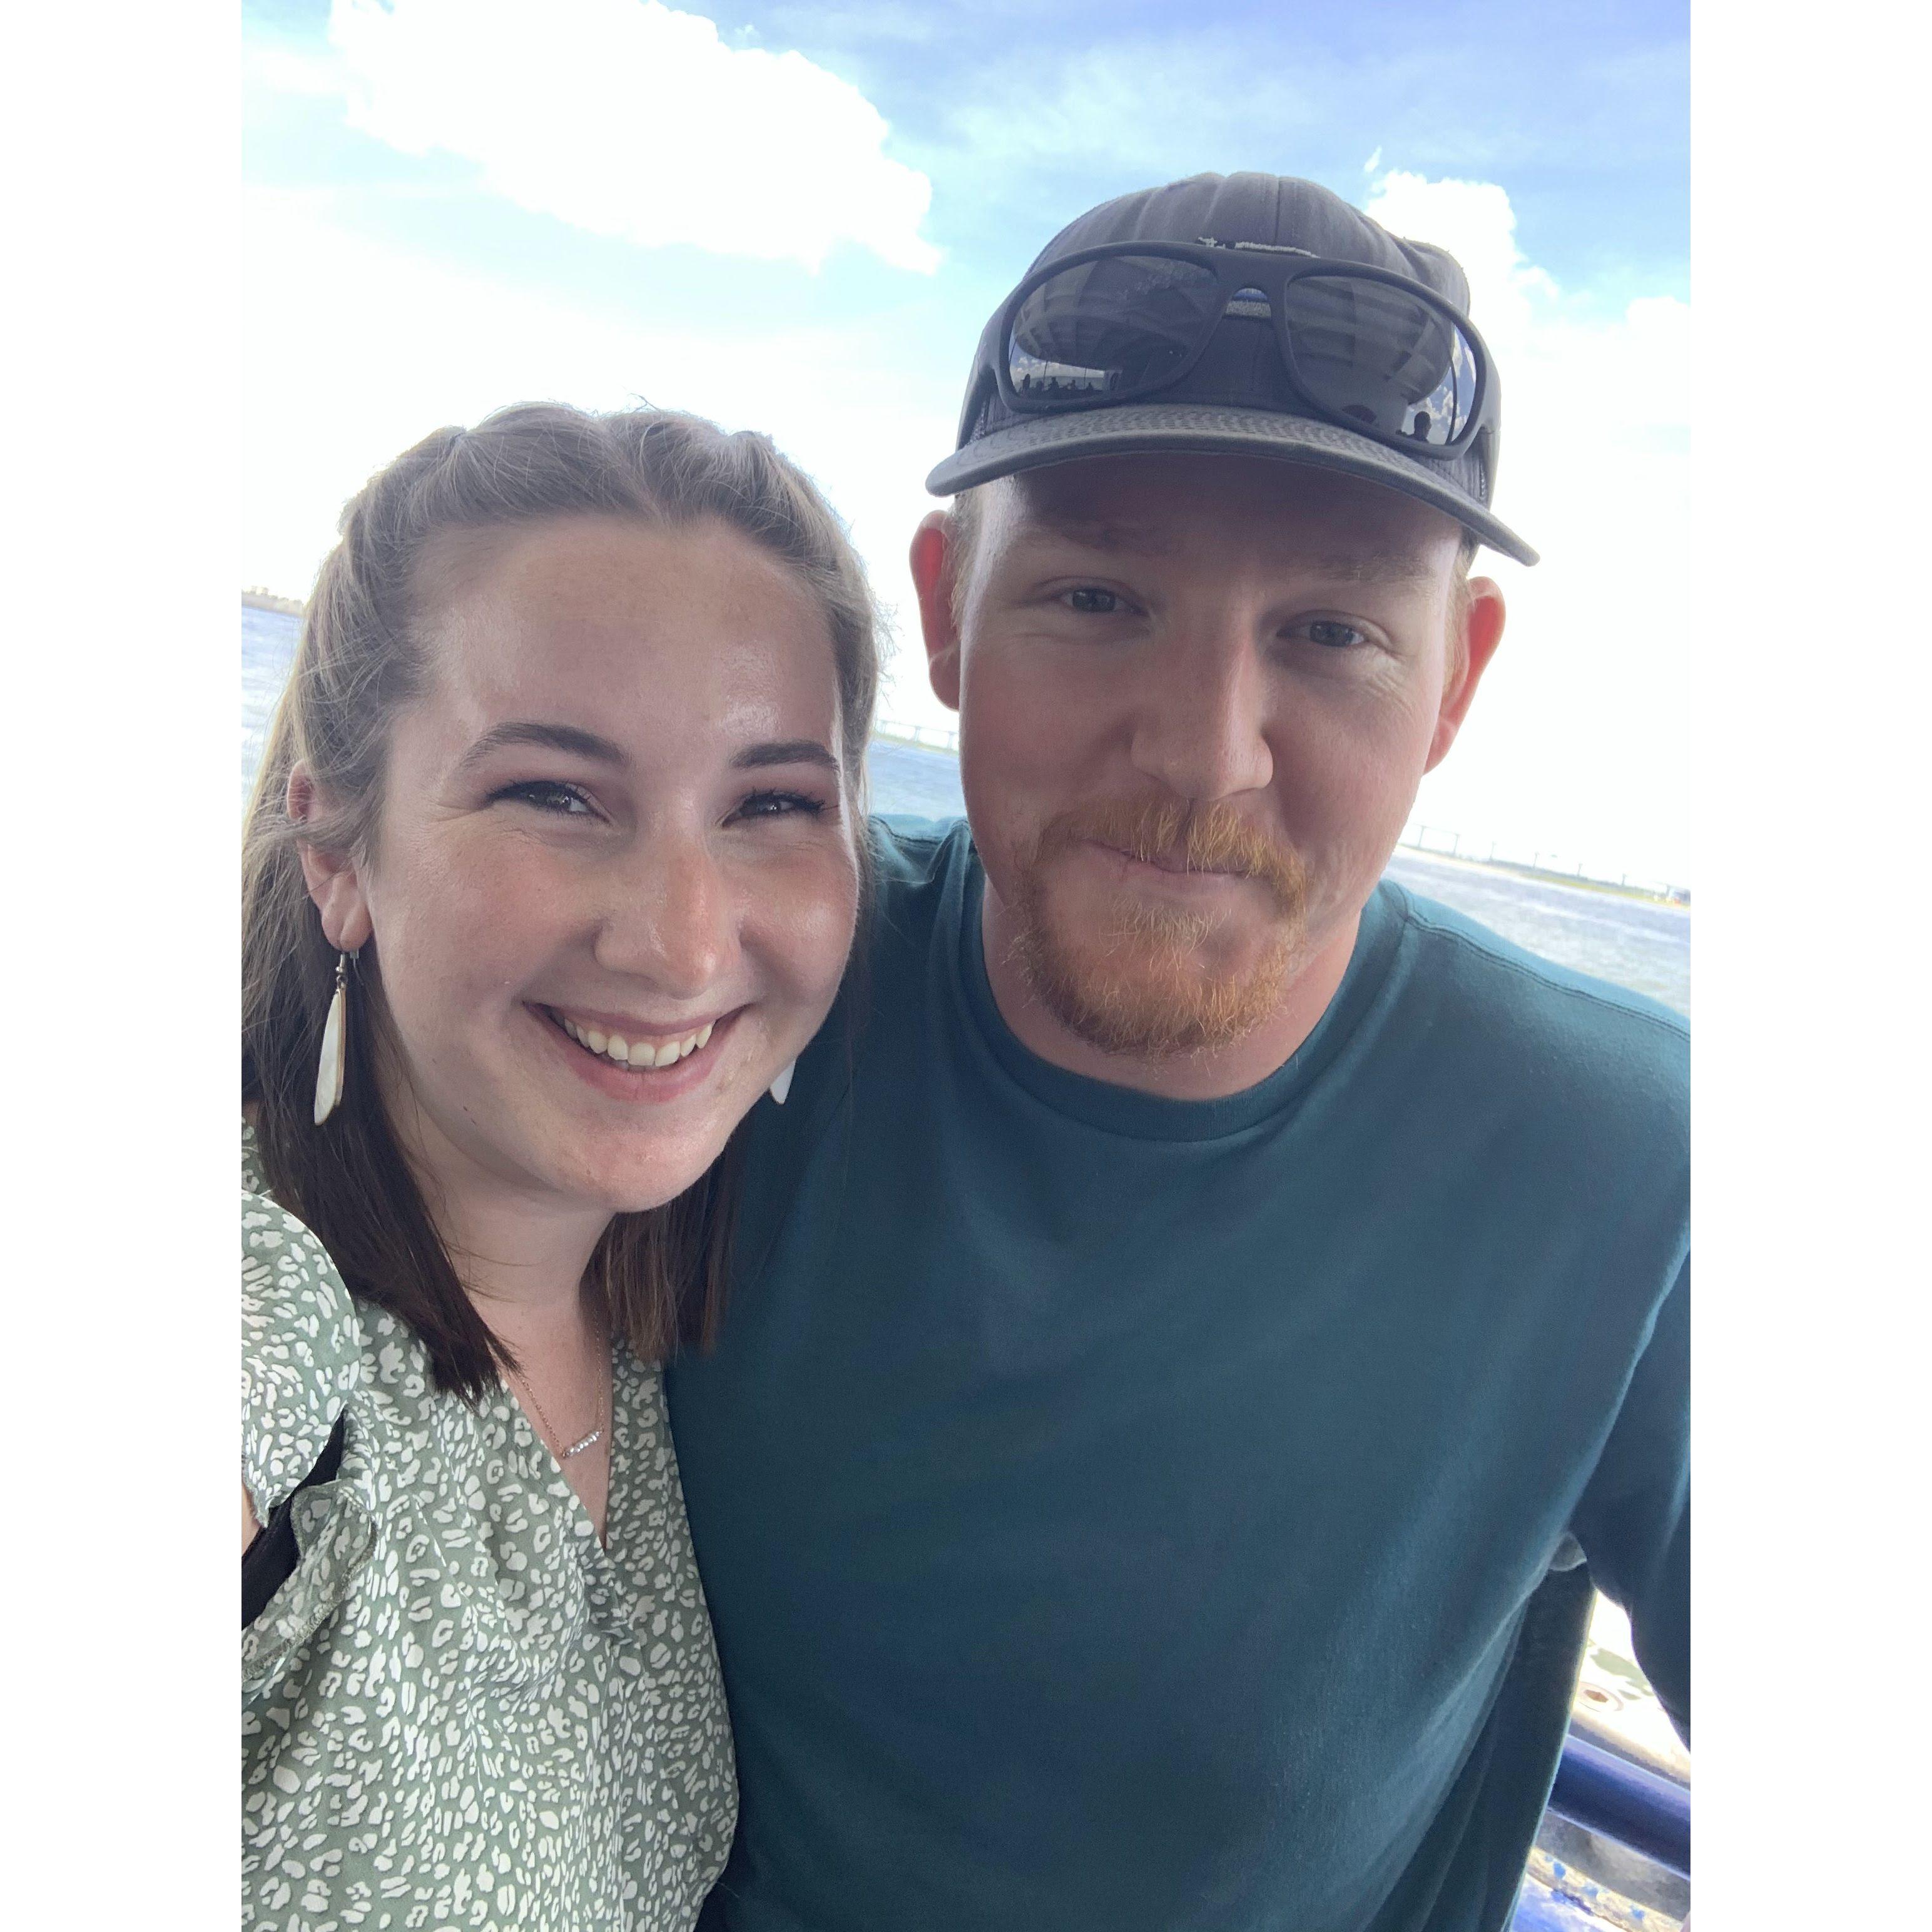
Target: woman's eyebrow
582,744
553,737
785,751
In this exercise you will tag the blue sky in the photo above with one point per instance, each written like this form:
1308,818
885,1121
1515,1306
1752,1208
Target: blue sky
801,224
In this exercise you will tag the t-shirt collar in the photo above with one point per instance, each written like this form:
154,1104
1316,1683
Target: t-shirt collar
1126,1110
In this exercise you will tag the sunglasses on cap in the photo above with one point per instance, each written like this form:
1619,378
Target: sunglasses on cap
1366,347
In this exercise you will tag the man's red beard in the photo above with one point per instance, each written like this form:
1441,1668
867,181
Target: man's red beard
1136,983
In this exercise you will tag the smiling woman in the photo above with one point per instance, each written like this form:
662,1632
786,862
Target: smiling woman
551,869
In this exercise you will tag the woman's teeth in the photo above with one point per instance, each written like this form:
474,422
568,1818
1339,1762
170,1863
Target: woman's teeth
615,1048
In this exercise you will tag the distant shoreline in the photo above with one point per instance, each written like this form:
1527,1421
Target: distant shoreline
267,600
1676,898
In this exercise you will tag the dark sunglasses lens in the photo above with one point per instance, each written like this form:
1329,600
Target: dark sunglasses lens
1110,328
1374,352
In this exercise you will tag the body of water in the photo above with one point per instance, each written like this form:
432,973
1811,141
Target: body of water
1629,942
267,648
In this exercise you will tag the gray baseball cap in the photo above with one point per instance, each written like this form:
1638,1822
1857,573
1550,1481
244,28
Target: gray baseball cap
1237,396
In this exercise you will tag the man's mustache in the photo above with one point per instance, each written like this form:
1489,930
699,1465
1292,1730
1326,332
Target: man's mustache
1187,835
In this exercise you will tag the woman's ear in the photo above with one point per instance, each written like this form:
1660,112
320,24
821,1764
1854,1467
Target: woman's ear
334,882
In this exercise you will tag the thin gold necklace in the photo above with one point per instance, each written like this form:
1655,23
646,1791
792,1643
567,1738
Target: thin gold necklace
577,1448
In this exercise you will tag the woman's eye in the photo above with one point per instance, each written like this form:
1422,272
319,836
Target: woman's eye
1093,601
778,804
546,795
1332,634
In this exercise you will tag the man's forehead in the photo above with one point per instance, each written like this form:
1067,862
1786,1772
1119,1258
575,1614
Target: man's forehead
1159,507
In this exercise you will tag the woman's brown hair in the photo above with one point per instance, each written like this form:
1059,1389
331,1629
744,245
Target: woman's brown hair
656,1278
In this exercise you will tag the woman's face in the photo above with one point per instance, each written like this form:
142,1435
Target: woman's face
613,884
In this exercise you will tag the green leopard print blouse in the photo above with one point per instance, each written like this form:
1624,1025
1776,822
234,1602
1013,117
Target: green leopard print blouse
462,1710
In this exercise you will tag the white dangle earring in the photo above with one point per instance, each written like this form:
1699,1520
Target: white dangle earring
330,1073
781,1086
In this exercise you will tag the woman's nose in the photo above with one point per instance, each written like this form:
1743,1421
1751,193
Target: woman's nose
669,918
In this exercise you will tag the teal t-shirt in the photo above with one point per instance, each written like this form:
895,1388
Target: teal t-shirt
1118,1513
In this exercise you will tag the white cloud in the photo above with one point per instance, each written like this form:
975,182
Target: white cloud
626,118
1475,222
280,68
1559,358
355,349
1580,731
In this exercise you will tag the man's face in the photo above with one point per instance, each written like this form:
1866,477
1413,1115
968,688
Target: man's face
1197,695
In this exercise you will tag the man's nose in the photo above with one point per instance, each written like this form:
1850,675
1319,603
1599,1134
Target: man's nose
1200,713
669,916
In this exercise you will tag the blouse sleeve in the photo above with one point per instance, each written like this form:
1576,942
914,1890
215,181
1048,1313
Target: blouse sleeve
302,1367
301,1351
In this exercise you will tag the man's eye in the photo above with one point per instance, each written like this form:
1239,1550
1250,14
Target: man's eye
778,804
1332,634
546,795
1093,601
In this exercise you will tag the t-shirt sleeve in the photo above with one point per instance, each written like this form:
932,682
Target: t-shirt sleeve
1634,1520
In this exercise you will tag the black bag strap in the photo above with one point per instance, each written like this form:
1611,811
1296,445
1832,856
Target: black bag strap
269,1561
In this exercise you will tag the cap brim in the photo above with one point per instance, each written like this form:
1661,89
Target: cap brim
1200,429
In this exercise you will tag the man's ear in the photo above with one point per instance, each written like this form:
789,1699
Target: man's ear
334,884
934,556
1482,632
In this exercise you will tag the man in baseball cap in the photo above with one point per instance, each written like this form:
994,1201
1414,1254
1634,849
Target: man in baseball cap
1205,1315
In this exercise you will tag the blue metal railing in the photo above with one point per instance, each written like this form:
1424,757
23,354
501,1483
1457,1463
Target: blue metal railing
1641,1808
1611,1797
